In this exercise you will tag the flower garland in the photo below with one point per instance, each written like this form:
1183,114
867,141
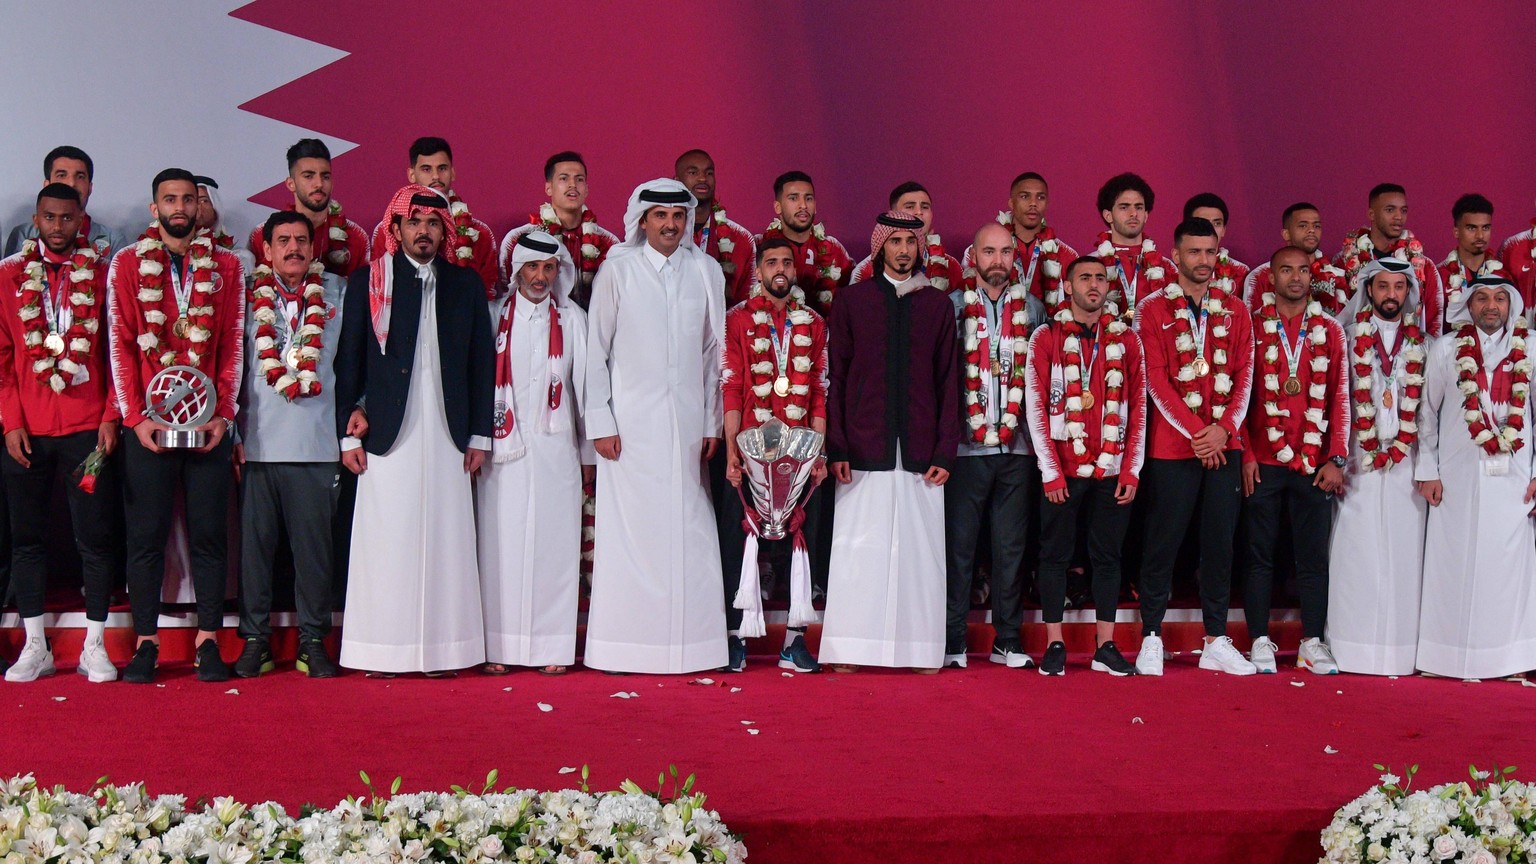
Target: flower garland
1459,278
1225,276
1359,249
1376,454
1314,366
1469,366
1105,252
223,239
464,228
1329,285
293,375
793,386
724,245
1051,294
975,316
56,353
336,232
1192,368
936,268
196,328
1112,440
827,272
593,244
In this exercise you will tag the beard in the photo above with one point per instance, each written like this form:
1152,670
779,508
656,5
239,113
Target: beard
774,290
997,277
179,231
1388,310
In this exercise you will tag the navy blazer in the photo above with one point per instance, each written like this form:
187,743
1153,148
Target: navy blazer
379,381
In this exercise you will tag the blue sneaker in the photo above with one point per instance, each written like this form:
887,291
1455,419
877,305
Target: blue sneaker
798,658
738,655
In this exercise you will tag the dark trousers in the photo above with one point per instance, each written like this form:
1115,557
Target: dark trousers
1090,504
733,540
29,492
995,489
1177,489
1311,514
299,498
149,493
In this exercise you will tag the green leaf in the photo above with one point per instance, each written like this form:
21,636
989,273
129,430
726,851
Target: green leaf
1509,770
395,786
366,781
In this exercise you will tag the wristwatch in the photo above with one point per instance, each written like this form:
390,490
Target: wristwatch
1338,462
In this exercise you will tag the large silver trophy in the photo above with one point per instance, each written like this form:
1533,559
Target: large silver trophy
181,398
777,461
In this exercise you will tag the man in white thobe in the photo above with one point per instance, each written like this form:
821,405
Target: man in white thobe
1376,554
414,385
529,497
653,415
1478,617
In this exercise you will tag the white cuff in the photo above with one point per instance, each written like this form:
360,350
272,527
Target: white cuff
479,442
351,443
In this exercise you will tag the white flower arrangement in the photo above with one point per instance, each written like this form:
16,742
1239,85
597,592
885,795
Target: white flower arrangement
1487,820
126,823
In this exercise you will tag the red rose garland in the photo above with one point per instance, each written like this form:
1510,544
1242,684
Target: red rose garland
1460,277
1105,252
464,228
724,245
290,381
936,268
1225,275
1184,345
1469,364
1329,286
1112,440
336,232
1374,456
153,262
593,244
975,316
764,366
55,356
1359,249
223,239
1312,372
828,273
1050,294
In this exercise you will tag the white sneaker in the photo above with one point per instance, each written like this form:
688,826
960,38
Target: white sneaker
954,661
35,661
1316,656
1223,656
95,665
1263,655
1149,660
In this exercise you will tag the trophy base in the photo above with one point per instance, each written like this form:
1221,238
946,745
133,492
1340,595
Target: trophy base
773,534
180,439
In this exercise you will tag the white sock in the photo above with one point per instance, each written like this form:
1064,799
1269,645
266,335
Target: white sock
34,627
734,634
790,633
95,631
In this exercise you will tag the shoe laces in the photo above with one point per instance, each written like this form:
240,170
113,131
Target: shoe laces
1321,652
1152,646
1224,647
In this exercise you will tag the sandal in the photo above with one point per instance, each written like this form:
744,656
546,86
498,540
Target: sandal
843,668
553,670
447,673
380,675
496,669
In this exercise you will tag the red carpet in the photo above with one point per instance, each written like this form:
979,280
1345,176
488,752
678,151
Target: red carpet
986,764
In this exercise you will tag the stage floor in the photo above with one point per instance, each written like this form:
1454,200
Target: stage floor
879,766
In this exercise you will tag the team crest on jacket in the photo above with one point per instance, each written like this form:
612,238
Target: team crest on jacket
499,416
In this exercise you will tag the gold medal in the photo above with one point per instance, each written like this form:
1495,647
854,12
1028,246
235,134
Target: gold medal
1292,387
54,343
182,327
781,386
1087,399
1202,368
291,356
1386,399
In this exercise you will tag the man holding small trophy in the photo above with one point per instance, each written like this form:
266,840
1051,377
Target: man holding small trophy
176,311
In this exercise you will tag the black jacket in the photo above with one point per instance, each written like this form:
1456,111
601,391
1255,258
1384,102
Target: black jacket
379,381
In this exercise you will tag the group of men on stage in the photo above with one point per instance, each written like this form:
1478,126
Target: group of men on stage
467,427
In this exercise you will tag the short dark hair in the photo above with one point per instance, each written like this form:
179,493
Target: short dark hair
789,177
308,148
1297,208
1077,262
167,176
694,152
1120,184
769,243
1027,175
906,188
1205,200
61,191
1381,189
1289,247
66,151
428,145
1194,226
1470,203
562,156
287,217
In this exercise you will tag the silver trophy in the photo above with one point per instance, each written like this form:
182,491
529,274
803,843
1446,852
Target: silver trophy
777,461
181,398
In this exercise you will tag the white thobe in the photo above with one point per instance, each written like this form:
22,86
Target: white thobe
1376,556
1478,616
654,335
413,586
529,508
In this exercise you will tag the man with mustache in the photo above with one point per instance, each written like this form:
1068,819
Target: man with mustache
340,244
719,237
1230,272
431,165
772,337
72,167
1136,269
288,455
566,217
822,265
414,385
1386,235
56,402
175,299
1477,472
1301,225
653,415
1087,401
893,426
942,269
1199,357
1472,226
1039,257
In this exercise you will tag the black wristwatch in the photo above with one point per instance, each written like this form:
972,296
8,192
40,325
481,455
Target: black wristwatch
1338,462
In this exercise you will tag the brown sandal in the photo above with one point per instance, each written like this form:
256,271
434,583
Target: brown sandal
553,670
496,669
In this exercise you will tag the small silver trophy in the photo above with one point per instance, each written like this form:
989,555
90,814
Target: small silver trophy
181,398
777,461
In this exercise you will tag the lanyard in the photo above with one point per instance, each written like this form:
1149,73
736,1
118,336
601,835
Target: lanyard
1034,258
1130,291
1091,336
781,346
1292,354
183,293
1197,324
55,304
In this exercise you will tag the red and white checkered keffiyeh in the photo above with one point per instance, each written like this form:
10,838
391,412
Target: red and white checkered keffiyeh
381,271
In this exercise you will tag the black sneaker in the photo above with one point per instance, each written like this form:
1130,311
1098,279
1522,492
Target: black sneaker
738,649
1108,659
1011,654
315,661
210,664
797,658
255,659
141,669
1055,660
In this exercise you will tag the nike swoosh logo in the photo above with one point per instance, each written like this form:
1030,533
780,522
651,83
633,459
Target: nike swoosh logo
1169,324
